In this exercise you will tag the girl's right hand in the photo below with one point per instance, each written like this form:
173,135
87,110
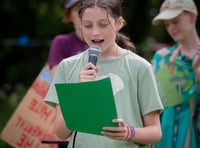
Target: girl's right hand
88,73
196,64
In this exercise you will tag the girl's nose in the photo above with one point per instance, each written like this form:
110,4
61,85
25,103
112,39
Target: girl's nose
95,31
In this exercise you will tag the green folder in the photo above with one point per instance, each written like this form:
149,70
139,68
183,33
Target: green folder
167,90
87,106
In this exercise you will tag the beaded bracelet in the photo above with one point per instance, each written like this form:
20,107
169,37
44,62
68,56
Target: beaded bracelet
131,133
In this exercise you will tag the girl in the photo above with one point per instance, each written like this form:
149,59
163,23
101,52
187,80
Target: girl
136,97
179,122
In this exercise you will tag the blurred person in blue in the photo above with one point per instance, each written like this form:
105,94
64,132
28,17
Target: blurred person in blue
180,119
66,45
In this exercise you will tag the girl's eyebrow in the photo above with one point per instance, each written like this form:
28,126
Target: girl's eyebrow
103,19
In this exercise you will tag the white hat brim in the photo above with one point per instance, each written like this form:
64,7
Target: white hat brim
166,15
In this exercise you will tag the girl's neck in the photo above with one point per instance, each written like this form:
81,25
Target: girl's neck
115,52
189,46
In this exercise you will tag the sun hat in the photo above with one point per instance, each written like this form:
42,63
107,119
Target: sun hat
68,3
172,8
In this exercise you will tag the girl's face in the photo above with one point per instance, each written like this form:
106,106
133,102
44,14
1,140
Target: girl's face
99,28
180,27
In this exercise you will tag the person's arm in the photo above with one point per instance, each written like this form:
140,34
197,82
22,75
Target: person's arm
61,129
196,65
149,134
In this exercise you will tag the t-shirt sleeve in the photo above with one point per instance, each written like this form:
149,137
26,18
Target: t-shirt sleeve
51,97
149,98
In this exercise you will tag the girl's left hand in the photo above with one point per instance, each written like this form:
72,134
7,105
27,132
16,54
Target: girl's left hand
196,64
116,133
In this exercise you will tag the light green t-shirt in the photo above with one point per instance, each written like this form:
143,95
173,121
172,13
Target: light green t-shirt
134,89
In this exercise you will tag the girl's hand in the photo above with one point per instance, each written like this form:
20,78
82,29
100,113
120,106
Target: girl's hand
196,64
116,133
88,73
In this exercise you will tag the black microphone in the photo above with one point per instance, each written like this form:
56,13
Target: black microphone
93,52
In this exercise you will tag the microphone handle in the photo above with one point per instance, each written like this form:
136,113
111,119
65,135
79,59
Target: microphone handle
93,59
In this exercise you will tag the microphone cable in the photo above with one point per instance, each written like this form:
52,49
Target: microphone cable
74,140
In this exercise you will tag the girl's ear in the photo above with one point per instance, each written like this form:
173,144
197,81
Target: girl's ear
120,23
193,16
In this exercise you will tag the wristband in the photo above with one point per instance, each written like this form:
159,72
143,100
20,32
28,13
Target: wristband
132,133
128,133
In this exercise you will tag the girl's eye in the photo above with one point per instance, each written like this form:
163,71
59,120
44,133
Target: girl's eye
103,25
87,25
175,21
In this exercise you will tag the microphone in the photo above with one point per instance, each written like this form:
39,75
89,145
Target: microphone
93,52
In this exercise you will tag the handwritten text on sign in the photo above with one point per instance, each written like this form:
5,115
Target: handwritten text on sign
33,120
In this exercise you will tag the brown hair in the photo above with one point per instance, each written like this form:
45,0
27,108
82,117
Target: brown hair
114,8
66,14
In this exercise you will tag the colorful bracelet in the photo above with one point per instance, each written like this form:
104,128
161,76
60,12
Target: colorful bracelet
131,133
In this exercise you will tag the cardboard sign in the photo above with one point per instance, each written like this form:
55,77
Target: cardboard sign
33,120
